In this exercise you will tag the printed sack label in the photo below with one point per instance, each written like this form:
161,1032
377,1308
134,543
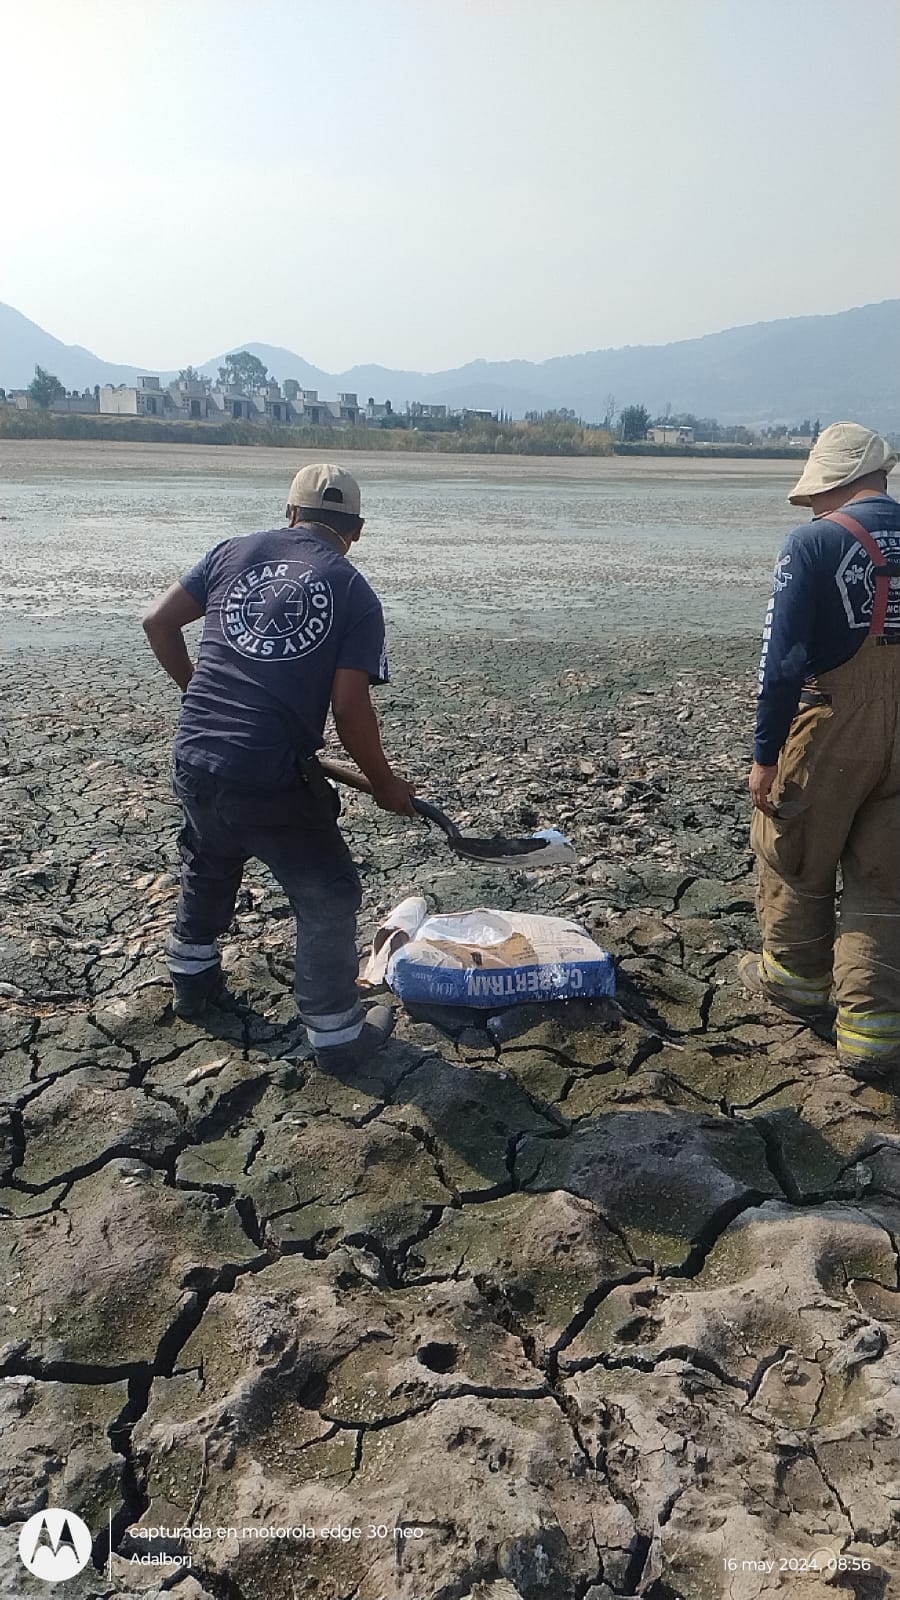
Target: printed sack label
489,959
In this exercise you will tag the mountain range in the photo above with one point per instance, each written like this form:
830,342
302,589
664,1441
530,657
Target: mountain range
843,365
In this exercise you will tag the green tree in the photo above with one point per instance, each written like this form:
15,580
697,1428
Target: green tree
191,375
44,388
633,422
243,370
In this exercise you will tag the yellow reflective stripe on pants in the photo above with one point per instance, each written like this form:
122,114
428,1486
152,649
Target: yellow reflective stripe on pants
873,1035
807,991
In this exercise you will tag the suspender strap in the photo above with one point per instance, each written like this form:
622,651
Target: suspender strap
882,571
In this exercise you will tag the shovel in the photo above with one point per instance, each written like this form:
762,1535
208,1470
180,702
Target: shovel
535,850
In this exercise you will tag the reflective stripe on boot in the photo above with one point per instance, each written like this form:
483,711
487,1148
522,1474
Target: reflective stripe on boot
189,959
807,992
340,1027
868,1036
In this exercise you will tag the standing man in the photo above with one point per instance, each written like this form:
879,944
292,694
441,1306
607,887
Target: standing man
825,780
291,628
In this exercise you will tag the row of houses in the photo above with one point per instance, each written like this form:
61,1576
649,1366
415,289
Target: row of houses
199,401
670,434
195,400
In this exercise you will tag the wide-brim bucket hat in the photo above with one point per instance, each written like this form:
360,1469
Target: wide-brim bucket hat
843,452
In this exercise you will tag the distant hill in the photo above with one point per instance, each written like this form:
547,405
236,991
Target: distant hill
845,365
23,346
281,364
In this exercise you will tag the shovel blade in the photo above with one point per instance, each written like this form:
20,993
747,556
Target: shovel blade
547,847
534,850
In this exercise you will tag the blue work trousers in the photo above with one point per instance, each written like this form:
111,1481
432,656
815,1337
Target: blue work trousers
294,832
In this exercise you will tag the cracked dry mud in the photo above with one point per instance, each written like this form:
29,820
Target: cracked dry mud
570,1313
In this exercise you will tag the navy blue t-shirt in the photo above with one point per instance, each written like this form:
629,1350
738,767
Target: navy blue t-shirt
283,611
820,610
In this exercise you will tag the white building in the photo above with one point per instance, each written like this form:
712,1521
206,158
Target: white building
146,399
667,435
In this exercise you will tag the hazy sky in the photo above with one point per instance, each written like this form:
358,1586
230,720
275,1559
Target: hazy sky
421,182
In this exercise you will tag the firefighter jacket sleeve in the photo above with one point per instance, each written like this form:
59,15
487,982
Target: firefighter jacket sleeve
787,636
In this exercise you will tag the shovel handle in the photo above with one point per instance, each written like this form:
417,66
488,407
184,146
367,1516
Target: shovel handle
348,776
352,779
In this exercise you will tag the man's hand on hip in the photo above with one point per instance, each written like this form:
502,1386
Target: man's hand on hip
395,794
760,782
163,625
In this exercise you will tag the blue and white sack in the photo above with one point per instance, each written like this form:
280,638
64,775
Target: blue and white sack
486,958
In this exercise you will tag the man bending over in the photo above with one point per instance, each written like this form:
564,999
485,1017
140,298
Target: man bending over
291,628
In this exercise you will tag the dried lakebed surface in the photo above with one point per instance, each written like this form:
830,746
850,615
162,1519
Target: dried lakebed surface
563,1313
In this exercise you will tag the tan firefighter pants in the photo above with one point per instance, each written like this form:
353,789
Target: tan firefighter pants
837,793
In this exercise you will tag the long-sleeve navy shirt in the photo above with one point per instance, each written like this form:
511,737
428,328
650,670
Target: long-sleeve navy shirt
820,610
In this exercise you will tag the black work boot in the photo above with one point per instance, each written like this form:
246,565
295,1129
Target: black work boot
193,992
375,1032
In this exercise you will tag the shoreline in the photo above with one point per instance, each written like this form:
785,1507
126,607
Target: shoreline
508,440
29,456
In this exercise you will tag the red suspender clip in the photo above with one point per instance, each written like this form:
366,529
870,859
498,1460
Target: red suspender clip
883,572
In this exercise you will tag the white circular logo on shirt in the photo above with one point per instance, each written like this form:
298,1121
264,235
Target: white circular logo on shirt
278,611
54,1545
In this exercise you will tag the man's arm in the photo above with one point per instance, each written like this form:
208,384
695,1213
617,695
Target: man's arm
784,664
357,729
163,624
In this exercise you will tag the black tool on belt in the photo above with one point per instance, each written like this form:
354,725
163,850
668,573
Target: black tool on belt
814,697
